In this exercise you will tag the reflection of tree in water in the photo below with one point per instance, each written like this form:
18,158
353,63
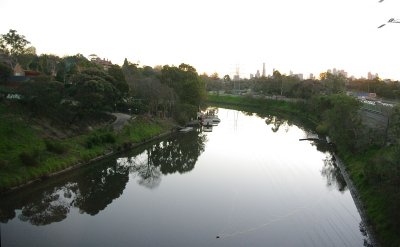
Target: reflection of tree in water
332,174
178,153
276,122
52,206
91,190
142,166
100,187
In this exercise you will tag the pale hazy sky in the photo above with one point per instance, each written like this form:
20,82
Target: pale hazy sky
305,36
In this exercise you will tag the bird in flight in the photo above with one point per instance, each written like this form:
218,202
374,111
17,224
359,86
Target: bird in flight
391,20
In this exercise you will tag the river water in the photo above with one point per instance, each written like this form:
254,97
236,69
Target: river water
249,182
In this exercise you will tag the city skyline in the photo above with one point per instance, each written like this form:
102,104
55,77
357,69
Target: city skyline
215,36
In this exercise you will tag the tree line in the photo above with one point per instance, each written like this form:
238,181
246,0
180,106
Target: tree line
294,87
72,87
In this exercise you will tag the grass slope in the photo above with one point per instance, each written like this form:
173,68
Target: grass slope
18,137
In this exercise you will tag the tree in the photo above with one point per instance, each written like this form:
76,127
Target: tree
333,83
227,78
5,72
214,76
13,43
186,83
120,83
343,120
394,125
94,89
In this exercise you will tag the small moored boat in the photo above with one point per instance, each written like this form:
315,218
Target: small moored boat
186,129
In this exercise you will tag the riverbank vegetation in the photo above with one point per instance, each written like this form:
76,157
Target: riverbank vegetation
372,162
56,111
29,152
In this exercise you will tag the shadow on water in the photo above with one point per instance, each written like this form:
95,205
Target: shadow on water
92,188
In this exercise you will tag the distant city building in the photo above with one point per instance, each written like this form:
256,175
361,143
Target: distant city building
371,76
312,77
300,76
258,74
263,71
251,76
236,77
342,72
335,71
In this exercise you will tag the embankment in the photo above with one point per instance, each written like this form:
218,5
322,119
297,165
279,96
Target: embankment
28,153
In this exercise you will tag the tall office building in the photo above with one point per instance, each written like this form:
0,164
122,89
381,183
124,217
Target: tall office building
263,72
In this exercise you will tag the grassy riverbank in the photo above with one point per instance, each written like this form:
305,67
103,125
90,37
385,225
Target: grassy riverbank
28,152
375,170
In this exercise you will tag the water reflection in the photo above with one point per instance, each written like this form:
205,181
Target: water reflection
332,173
91,189
276,122
178,153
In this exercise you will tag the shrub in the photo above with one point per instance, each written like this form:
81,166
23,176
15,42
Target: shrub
3,163
97,139
107,138
55,147
322,129
29,158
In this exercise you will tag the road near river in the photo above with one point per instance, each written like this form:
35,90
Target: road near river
248,182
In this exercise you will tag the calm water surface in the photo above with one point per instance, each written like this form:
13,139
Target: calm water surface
249,182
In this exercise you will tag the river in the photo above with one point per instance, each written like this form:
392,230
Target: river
249,182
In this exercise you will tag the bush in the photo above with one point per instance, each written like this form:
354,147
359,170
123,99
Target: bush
55,147
3,164
107,138
97,139
29,158
322,129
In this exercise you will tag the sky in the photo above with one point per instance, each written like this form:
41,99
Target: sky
303,36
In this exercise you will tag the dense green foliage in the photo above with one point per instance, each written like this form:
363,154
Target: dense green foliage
167,91
13,43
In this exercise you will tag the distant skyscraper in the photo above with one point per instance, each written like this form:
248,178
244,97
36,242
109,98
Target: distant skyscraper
370,76
263,73
258,74
236,77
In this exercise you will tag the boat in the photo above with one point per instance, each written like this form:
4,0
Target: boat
186,129
207,128
216,119
211,120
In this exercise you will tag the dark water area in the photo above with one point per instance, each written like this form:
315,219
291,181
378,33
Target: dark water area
249,182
